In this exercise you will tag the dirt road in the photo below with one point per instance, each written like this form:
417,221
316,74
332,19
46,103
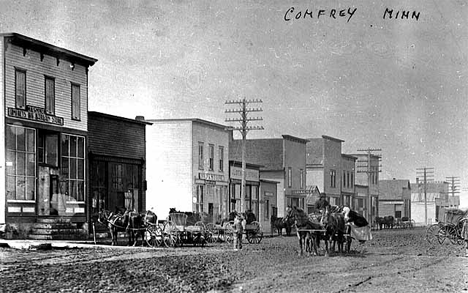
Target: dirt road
394,261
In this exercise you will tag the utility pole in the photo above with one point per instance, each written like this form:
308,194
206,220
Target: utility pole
371,172
244,128
426,172
454,185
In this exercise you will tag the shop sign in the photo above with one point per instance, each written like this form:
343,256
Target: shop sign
250,175
35,114
268,193
210,177
391,202
300,192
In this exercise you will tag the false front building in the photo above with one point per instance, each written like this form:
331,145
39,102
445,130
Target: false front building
187,167
44,95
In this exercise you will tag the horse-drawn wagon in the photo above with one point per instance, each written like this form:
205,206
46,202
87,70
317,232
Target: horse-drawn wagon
450,229
179,231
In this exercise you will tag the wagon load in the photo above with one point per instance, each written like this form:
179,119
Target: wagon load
449,229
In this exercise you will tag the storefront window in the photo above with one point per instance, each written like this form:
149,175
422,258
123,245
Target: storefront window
47,147
21,163
72,183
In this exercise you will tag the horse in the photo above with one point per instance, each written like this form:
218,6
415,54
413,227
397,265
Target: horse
302,223
136,226
333,222
278,224
116,222
385,222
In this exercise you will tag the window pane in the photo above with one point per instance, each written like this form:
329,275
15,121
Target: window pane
52,150
73,144
30,142
11,163
30,188
20,163
80,169
20,139
11,187
11,138
50,95
72,168
20,89
65,168
80,147
80,191
76,102
20,187
31,165
65,145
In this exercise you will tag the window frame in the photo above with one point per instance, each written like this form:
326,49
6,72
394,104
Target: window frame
70,157
221,158
289,177
211,157
75,113
49,100
19,70
27,153
201,164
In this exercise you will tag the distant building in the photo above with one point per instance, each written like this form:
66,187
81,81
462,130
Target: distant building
187,167
427,201
252,187
44,128
367,174
282,161
348,190
325,167
395,198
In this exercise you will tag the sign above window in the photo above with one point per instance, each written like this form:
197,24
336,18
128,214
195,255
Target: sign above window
35,114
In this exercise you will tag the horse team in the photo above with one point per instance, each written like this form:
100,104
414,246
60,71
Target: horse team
329,227
133,223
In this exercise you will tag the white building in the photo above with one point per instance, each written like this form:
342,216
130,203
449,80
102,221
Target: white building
187,167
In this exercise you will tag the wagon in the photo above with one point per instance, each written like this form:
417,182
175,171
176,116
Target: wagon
450,230
178,232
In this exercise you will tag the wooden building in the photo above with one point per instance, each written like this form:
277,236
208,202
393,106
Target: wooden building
44,126
117,162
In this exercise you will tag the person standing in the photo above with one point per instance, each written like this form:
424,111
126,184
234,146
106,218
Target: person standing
464,234
239,224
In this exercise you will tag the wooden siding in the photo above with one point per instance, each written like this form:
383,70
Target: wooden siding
35,92
113,137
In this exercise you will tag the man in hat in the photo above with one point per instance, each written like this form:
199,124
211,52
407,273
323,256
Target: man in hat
320,205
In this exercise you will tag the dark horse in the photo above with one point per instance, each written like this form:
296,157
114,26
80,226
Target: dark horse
333,222
303,225
385,222
279,225
116,222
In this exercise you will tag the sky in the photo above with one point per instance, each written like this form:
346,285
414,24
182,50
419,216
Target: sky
399,85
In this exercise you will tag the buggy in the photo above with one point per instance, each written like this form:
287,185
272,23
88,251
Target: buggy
449,230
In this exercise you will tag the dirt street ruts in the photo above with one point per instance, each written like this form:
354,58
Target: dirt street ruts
394,261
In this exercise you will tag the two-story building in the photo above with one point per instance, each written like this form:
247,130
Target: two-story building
44,96
187,167
282,160
348,189
325,167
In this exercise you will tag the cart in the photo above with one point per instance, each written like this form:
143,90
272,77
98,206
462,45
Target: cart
253,232
448,231
176,232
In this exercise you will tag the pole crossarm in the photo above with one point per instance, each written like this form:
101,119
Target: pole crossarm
244,128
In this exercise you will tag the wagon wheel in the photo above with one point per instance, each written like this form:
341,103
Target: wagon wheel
432,233
154,236
202,236
209,233
171,235
443,233
451,233
228,233
253,233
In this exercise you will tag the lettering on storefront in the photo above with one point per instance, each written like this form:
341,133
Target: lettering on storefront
35,114
391,202
250,175
300,192
210,177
